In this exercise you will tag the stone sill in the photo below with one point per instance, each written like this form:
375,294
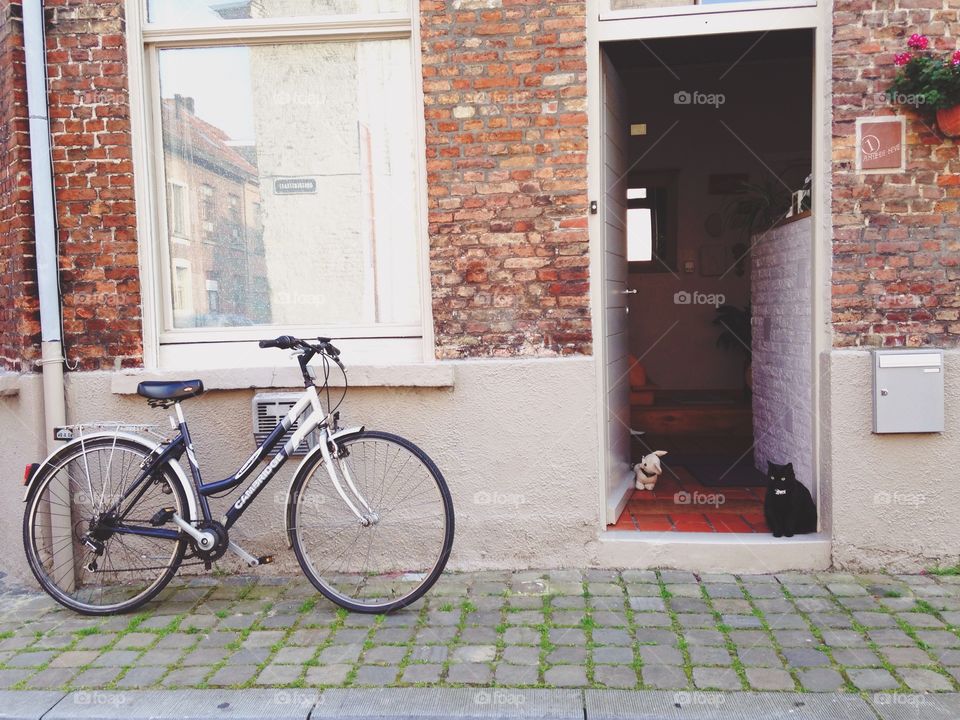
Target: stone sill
9,384
428,375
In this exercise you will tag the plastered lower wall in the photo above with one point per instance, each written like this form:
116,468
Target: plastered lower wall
895,499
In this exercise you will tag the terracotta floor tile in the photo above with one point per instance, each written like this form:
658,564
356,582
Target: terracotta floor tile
729,523
652,523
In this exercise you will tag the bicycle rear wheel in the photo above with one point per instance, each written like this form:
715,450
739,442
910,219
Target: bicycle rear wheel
67,511
394,560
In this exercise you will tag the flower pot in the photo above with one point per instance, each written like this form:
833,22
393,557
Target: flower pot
949,121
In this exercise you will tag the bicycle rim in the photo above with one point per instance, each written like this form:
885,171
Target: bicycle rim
393,561
129,569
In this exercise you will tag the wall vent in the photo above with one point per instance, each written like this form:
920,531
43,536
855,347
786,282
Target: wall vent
268,408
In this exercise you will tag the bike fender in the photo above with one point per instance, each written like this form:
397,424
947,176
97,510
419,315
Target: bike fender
306,458
145,443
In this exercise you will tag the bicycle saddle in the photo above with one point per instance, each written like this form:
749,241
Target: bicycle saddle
172,390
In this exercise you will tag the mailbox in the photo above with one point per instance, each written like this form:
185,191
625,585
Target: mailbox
907,391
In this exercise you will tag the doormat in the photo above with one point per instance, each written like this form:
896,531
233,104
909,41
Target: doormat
720,470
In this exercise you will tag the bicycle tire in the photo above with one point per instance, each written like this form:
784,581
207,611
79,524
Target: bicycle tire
296,504
34,496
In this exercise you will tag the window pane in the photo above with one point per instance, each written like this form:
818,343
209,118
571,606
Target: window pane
639,235
291,181
207,12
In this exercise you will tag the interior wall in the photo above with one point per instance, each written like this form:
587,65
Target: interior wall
761,128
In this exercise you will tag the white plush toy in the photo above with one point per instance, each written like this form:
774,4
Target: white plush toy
648,470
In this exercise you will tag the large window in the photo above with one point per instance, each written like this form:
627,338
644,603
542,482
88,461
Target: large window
285,137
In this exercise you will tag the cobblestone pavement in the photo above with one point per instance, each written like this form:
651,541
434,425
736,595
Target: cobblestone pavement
565,629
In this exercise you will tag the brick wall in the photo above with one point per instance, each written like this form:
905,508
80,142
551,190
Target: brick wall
782,374
89,112
506,133
19,310
896,238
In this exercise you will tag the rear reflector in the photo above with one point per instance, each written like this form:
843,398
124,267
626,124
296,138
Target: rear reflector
28,472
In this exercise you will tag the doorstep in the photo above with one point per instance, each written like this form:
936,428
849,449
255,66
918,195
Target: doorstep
713,552
469,704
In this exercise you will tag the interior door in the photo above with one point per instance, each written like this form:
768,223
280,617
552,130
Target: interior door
615,138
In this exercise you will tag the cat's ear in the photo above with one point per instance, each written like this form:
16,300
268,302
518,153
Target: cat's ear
659,453
789,465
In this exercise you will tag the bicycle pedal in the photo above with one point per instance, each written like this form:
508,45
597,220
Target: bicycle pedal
264,559
162,517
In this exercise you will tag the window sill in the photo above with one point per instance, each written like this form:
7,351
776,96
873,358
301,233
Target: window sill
435,375
9,384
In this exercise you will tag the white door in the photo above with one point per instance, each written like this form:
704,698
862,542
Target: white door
615,138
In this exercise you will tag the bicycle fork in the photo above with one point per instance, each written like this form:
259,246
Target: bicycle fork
365,518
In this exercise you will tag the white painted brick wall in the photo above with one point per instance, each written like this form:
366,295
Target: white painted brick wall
782,360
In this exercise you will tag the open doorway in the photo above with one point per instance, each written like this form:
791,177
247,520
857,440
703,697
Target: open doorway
712,180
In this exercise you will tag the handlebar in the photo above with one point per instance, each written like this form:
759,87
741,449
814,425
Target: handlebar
288,342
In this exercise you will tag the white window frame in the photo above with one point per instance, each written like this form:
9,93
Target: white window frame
183,236
698,9
166,347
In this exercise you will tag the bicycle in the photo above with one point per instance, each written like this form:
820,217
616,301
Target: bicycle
111,515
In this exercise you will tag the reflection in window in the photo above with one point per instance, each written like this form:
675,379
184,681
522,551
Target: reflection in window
298,165
207,12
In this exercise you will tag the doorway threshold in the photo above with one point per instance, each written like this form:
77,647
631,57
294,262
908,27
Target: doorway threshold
714,552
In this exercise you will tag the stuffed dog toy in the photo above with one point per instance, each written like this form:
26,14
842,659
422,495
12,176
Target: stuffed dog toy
648,470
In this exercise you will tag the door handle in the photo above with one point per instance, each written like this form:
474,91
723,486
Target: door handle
629,292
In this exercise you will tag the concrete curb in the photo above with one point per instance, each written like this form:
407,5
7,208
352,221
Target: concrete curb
470,704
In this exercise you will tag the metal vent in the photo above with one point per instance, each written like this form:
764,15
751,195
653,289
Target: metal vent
268,409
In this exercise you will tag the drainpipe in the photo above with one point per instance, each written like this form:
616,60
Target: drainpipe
44,219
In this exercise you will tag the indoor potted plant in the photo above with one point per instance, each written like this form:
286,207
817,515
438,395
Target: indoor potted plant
928,83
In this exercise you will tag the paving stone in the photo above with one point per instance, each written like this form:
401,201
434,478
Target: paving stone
141,677
908,656
769,679
9,678
159,657
696,620
479,636
567,655
376,675
844,638
31,659
249,656
733,607
314,636
438,636
207,657
94,642
50,678
327,674
135,640
508,675
779,605
891,637
939,638
263,638
751,638
820,679
709,655
55,642
742,621
521,636
185,677
724,590
569,601
687,605
704,637
232,675
794,638
612,655
338,654
759,657
298,655
805,657
856,657
652,619
74,658
664,677
566,676
786,622
647,604
610,619
615,676
521,655
659,655
433,653
96,677
875,619
715,678
474,654
470,674
422,673
923,680
567,636
612,636
871,680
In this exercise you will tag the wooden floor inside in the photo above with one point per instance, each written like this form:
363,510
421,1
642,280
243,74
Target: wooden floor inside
681,503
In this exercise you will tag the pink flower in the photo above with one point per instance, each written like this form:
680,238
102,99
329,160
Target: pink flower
918,42
901,59
955,60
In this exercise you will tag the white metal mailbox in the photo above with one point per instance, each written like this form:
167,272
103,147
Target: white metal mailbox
907,391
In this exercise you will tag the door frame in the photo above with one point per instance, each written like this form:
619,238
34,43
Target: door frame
609,29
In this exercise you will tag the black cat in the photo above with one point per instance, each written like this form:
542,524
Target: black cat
788,507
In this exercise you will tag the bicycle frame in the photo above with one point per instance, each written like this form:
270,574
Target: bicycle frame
183,444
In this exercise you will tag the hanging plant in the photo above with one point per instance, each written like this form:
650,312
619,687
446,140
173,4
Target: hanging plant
928,83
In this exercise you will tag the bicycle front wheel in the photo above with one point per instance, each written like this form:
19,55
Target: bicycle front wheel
73,529
396,555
